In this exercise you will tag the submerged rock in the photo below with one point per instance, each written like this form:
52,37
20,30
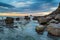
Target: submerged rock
39,28
54,29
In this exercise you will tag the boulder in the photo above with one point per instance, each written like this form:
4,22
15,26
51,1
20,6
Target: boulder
42,20
54,29
39,28
9,20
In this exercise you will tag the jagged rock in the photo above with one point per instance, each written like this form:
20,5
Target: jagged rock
39,28
54,29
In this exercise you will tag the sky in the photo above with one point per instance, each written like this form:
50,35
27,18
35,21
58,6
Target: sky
28,6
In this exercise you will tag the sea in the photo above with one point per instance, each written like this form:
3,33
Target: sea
24,31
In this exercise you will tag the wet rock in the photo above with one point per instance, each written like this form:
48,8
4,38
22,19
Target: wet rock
15,26
54,29
39,29
27,18
42,21
9,20
17,19
35,18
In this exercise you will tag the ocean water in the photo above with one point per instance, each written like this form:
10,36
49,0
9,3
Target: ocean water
25,31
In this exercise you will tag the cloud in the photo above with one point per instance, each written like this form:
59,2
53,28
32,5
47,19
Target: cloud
22,4
53,8
33,5
4,7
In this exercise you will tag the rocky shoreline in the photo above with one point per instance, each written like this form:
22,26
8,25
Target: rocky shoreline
49,22
52,21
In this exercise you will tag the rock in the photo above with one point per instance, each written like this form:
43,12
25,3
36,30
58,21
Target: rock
15,26
57,17
17,19
39,28
42,20
53,21
54,29
49,18
27,18
35,18
9,20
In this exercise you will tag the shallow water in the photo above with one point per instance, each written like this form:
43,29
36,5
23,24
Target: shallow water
25,31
